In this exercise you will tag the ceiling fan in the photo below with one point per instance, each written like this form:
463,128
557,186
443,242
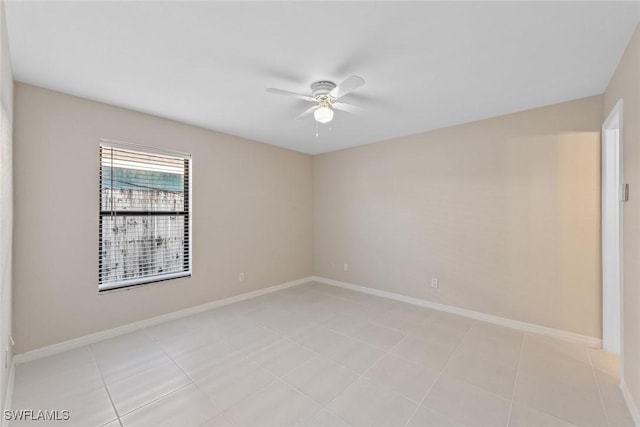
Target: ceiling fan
326,95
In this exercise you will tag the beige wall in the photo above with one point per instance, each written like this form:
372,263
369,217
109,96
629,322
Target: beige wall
505,212
625,85
6,204
252,213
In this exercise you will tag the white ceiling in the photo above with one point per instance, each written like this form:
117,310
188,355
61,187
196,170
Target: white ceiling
427,64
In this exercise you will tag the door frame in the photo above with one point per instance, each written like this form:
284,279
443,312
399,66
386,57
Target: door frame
611,230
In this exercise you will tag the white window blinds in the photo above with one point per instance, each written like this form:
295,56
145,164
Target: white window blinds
145,215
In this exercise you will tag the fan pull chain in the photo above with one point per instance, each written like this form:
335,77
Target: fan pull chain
316,129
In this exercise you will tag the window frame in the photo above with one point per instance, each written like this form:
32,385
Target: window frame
187,213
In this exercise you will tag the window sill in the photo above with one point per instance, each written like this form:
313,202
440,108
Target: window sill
133,283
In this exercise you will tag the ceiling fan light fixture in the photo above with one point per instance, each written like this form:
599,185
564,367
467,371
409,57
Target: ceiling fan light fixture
325,95
323,114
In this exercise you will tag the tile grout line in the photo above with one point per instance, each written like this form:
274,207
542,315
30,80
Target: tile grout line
244,355
360,376
319,404
595,378
174,362
386,352
515,380
164,395
444,367
171,358
301,393
475,323
104,384
193,382
225,411
247,356
321,324
277,377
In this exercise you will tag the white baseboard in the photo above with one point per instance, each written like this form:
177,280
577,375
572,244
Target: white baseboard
502,321
131,327
8,398
631,404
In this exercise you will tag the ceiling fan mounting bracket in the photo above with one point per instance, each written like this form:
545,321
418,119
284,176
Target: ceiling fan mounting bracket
322,87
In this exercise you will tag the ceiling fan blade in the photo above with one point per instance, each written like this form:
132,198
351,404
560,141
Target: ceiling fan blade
287,93
349,108
350,84
307,113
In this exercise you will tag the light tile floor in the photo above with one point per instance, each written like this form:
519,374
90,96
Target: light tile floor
321,356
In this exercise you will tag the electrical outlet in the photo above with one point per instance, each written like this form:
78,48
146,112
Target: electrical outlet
346,267
241,276
435,282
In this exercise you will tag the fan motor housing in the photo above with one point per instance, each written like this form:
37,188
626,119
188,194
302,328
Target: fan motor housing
322,87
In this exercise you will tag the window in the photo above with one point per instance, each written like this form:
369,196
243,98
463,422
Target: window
145,215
